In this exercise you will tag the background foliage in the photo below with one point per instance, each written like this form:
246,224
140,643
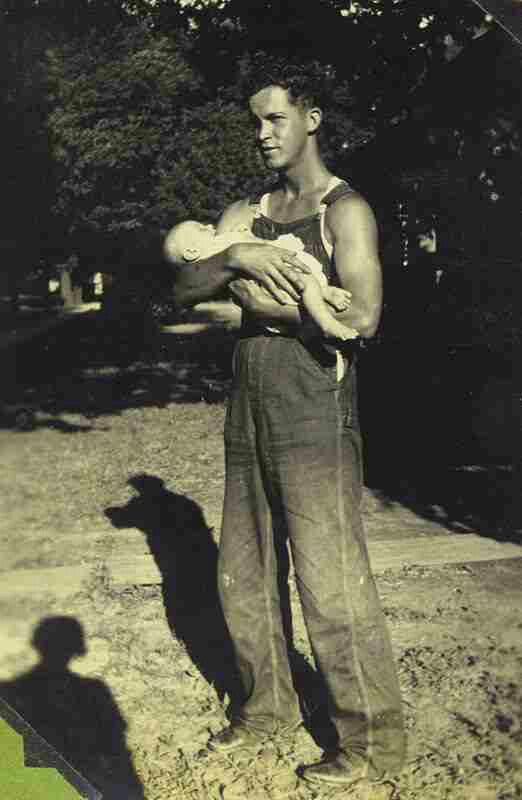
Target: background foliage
115,129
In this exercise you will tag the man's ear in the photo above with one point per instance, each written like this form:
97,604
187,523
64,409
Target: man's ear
191,253
315,117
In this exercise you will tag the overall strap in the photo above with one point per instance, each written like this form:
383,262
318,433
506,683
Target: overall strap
255,207
339,189
259,201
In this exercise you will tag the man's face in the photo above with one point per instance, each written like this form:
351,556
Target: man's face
282,127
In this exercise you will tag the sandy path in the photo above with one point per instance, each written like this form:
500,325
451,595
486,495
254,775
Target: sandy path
456,629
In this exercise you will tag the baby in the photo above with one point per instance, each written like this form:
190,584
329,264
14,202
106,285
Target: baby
190,241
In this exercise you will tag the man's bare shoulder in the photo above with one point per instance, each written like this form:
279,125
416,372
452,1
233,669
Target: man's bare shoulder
236,214
350,215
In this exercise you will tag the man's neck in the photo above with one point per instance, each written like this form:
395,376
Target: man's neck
305,179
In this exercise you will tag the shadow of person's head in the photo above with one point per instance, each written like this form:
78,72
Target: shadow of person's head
76,715
152,508
58,640
168,518
149,485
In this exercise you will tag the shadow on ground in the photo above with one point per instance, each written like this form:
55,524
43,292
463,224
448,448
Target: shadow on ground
442,425
96,365
443,436
185,552
77,716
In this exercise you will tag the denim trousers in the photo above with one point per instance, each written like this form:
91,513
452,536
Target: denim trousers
293,458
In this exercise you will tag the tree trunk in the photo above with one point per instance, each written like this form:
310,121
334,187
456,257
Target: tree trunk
71,294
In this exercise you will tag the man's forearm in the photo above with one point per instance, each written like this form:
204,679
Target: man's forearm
270,312
296,320
364,321
202,280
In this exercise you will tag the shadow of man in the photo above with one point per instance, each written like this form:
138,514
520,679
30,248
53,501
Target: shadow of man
182,546
77,716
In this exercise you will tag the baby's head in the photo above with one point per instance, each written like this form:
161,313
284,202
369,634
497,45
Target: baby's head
189,241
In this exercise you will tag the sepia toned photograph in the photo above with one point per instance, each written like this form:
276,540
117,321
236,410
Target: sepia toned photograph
261,404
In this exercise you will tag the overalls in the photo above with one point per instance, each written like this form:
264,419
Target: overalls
293,462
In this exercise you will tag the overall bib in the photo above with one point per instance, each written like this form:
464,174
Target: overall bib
294,464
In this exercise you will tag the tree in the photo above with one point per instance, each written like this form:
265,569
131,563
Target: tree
28,29
455,165
206,164
129,121
140,141
117,99
383,48
70,19
25,160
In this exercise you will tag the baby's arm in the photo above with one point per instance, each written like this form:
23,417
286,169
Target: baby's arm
336,297
314,301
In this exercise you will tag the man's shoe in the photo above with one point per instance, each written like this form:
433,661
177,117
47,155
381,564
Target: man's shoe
340,769
234,737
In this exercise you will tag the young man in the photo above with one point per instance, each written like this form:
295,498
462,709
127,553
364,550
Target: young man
293,452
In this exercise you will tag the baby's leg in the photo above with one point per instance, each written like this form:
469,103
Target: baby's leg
314,302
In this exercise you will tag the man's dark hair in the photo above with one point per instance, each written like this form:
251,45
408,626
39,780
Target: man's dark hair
308,84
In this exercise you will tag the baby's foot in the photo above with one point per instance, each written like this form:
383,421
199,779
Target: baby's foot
339,298
333,329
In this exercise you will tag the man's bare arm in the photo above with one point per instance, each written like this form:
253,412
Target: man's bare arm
352,227
198,281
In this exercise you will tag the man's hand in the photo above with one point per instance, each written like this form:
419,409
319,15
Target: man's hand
274,268
249,293
261,304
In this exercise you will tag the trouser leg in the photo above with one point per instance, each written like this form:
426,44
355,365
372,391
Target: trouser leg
317,472
248,588
343,613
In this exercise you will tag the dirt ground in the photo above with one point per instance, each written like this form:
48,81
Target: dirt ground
128,682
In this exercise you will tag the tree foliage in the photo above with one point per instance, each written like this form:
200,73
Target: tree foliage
133,94
383,48
26,163
208,163
117,102
125,116
138,117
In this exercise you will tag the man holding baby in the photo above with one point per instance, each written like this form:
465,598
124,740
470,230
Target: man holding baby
293,446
